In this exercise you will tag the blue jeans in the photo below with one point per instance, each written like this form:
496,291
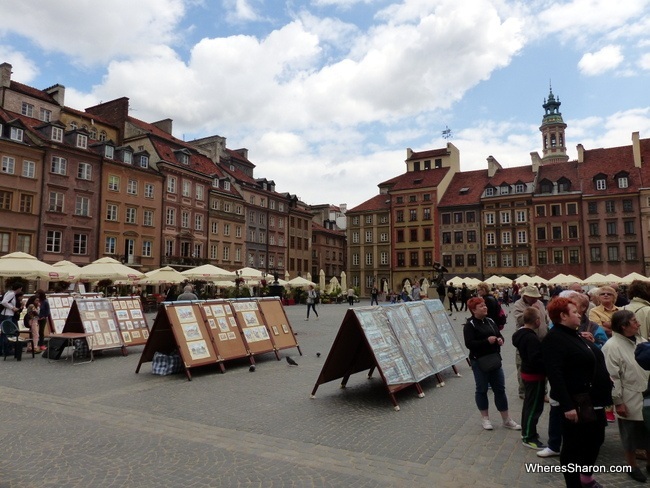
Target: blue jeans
496,379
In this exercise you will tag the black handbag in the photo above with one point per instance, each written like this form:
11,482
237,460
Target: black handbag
584,407
489,362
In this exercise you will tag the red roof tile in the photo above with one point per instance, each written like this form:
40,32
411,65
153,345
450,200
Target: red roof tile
32,92
416,179
513,175
474,181
376,203
429,154
609,162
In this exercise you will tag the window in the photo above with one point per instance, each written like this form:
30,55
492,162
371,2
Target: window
522,237
383,258
82,206
59,165
226,253
611,228
413,198
148,190
504,190
522,259
628,227
144,163
428,258
623,182
111,212
214,228
446,237
127,157
594,253
558,256
490,260
355,259
383,237
57,134
612,253
368,258
8,165
147,218
521,216
610,206
46,115
506,237
399,200
24,243
227,207
458,237
27,109
426,197
56,202
556,231
542,257
573,231
630,252
368,219
426,214
489,218
563,185
540,210
187,188
592,207
413,235
458,217
399,217
147,246
490,238
16,134
400,235
471,260
594,229
505,217
627,206
199,192
26,203
541,233
110,244
556,210
5,200
368,236
198,222
489,192
171,185
170,216
113,183
53,241
82,141
226,230
601,184
446,260
572,209
109,152
131,215
355,237
238,232
446,218
470,217
459,260
471,236
520,188
506,260
574,256
29,169
401,260
84,171
80,244
185,220
132,187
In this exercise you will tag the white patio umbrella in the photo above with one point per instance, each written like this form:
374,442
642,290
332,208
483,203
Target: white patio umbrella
68,267
250,274
498,280
108,269
334,284
166,274
299,281
456,281
28,267
425,286
612,278
595,279
208,272
627,279
525,279
321,280
344,281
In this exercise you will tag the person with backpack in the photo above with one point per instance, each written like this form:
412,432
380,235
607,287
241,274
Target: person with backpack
10,304
312,296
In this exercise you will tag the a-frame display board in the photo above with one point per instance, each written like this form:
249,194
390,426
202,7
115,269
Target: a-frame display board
446,332
366,341
131,321
60,304
251,323
278,324
95,316
225,333
180,326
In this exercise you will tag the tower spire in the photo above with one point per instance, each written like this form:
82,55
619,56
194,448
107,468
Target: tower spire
552,129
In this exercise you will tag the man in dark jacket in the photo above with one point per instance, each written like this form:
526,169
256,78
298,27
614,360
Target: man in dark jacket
527,342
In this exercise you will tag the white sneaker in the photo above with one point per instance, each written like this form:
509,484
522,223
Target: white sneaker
306,319
487,425
511,424
547,452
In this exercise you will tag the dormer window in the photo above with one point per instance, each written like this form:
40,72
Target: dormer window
183,158
57,134
623,182
520,188
489,192
601,184
215,183
144,161
226,185
127,157
109,151
505,189
16,134
563,185
546,186
82,141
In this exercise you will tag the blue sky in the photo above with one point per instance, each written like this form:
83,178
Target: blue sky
328,94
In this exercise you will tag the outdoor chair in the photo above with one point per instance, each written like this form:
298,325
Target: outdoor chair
10,334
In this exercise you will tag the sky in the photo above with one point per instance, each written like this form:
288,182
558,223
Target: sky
327,95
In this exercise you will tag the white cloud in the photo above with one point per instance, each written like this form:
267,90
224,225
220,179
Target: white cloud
644,62
606,59
238,11
22,68
93,32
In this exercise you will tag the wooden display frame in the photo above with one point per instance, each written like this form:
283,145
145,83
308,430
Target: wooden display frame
131,320
251,323
366,341
277,323
446,331
222,327
95,316
60,305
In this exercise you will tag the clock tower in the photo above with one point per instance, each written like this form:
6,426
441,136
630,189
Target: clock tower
552,129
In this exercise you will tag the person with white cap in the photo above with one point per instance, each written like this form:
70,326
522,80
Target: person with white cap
530,297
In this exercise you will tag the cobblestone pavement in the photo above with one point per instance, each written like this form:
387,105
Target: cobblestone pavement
100,424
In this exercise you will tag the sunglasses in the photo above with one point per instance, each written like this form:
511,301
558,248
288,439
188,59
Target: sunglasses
606,294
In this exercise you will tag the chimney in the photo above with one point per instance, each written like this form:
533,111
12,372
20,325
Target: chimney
5,75
242,152
58,93
636,149
409,153
493,166
581,153
535,160
164,125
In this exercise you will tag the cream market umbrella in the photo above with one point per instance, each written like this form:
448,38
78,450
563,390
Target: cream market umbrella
299,281
250,274
208,272
344,281
321,280
595,279
525,279
108,269
28,267
498,280
456,281
163,275
627,279
425,286
612,278
68,267
334,284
